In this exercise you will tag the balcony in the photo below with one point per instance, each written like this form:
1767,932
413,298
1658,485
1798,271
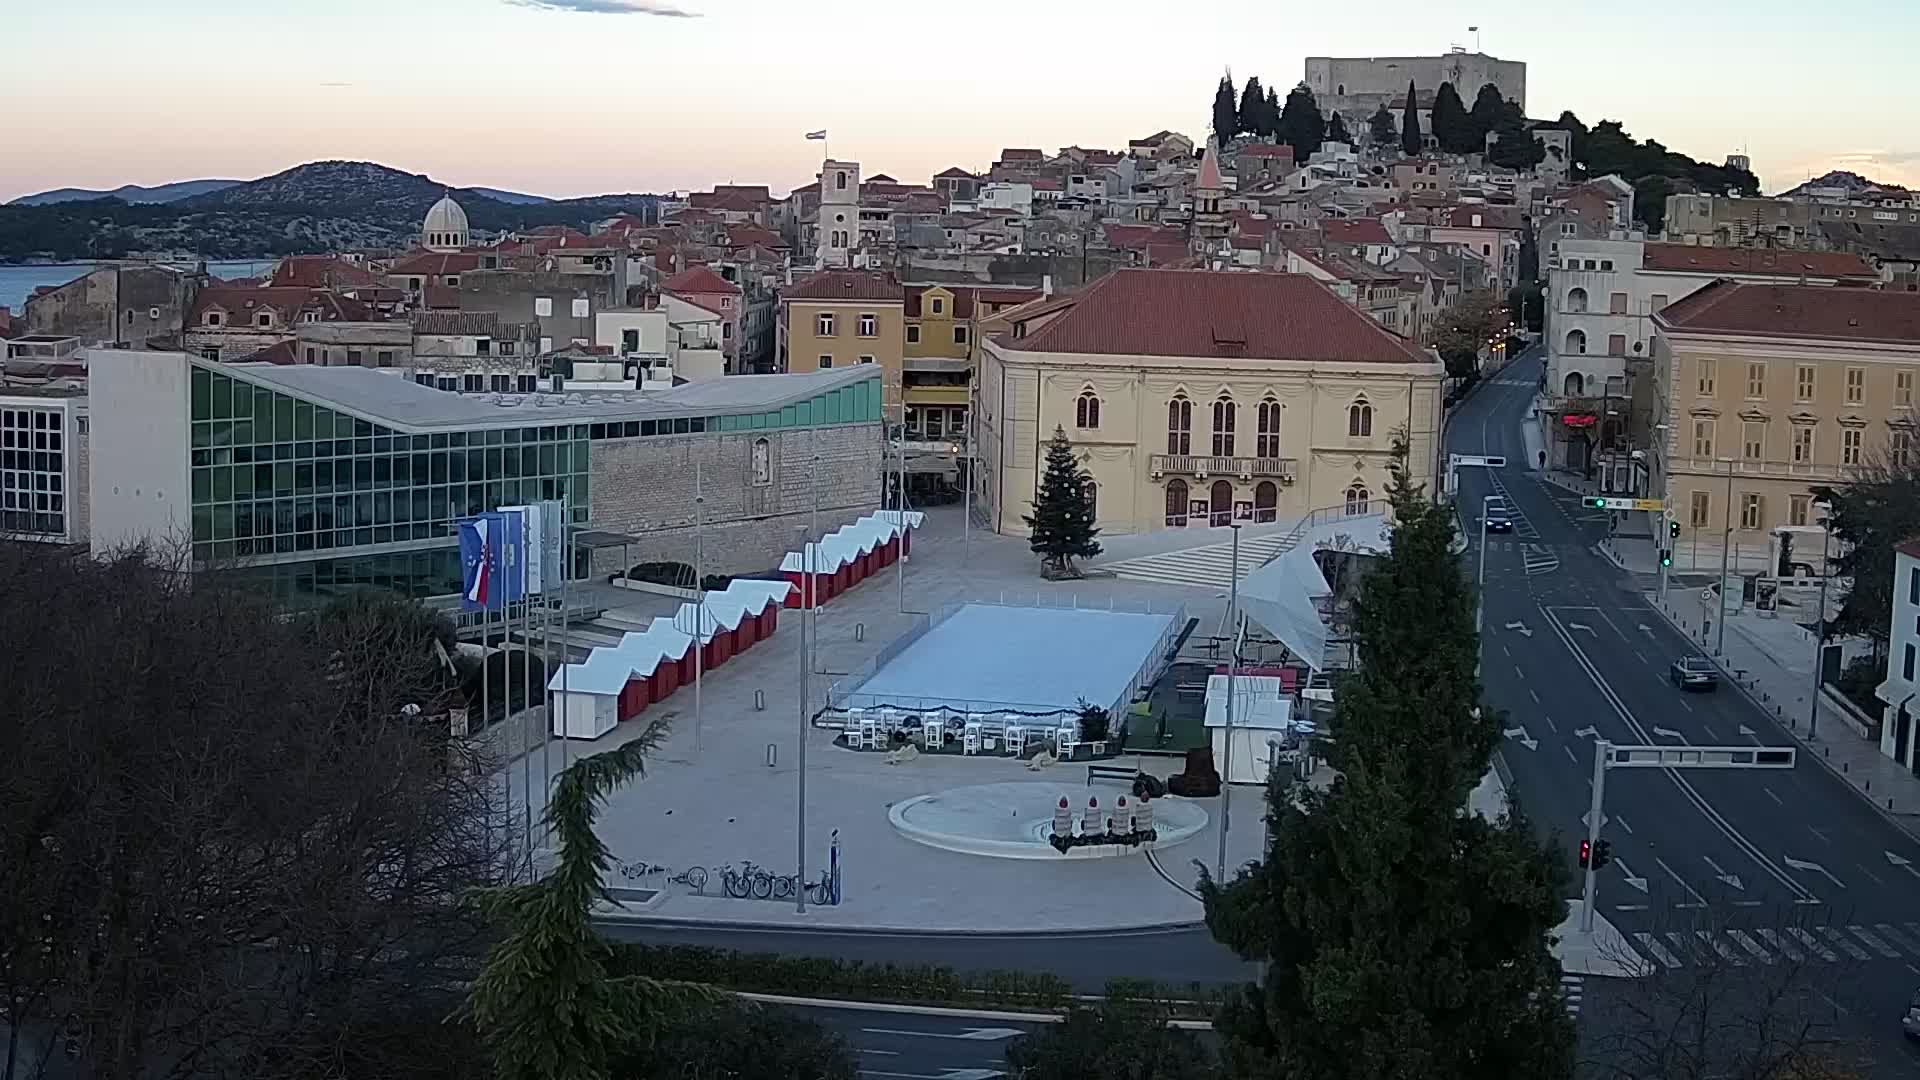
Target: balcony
1201,468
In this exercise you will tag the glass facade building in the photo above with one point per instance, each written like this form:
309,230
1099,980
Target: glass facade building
316,499
33,469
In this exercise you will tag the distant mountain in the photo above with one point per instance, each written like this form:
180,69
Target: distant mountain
318,207
1850,182
132,194
511,198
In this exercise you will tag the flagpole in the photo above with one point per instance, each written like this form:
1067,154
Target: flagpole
566,655
546,705
506,618
699,608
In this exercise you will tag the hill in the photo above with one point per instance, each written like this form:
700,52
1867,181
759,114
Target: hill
1840,179
132,194
318,207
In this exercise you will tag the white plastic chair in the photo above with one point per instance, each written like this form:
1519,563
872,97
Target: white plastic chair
871,736
1065,738
933,732
1016,739
970,738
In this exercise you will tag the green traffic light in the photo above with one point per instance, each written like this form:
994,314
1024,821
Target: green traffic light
1597,503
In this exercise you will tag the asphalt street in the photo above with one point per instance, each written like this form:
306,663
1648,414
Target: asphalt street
905,1046
1721,867
1773,870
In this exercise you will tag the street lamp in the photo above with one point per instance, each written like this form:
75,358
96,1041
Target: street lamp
1820,631
1726,548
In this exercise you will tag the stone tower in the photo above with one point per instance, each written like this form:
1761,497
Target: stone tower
839,227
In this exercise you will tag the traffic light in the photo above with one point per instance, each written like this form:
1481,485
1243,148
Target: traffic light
1586,853
1673,528
1602,854
1596,502
1666,557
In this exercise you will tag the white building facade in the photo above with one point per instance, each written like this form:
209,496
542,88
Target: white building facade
839,223
1898,738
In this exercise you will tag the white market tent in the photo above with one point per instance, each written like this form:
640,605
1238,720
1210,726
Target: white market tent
1262,714
1280,596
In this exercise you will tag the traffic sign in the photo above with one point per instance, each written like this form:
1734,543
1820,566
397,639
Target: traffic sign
1487,461
1605,502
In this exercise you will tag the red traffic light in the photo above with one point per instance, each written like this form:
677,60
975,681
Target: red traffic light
1586,853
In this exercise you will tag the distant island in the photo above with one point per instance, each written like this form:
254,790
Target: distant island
318,207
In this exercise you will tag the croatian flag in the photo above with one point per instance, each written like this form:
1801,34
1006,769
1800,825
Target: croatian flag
817,135
476,562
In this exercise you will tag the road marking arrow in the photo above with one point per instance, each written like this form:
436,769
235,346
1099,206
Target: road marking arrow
971,1034
1581,626
1814,867
1647,630
1669,733
1902,863
1587,732
1521,627
1525,739
1725,878
1745,730
1635,882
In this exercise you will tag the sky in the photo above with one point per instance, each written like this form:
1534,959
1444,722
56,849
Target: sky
579,97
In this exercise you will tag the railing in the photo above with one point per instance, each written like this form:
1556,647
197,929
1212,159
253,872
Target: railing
1244,467
1791,470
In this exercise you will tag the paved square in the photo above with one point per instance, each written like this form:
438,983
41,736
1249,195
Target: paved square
984,656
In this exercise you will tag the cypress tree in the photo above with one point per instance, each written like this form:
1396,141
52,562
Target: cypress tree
1226,116
1402,937
1410,140
1488,112
1451,127
1301,125
1253,106
1062,519
1337,130
1381,126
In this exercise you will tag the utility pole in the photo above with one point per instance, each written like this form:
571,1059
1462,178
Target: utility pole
1726,548
1820,633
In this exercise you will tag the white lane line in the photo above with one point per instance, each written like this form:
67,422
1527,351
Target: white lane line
1711,737
1782,945
1550,723
1834,935
1751,946
1519,672
1622,822
1877,945
1698,900
1813,945
1573,759
1771,795
1871,876
1822,837
864,1050
1651,944
1505,652
1534,696
1684,705
1892,933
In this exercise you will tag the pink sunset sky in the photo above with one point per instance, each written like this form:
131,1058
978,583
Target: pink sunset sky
576,97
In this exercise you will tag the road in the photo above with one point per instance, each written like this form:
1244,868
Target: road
1747,867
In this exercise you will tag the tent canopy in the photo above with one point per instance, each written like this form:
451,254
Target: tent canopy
1280,595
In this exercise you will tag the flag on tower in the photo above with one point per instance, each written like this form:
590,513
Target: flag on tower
821,134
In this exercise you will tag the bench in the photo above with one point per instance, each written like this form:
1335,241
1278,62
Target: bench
1111,772
1190,689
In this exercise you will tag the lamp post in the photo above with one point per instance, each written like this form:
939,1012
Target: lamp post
1233,666
1726,548
1820,631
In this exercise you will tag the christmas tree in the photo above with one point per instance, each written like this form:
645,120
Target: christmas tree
1062,518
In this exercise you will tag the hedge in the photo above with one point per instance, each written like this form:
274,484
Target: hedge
826,977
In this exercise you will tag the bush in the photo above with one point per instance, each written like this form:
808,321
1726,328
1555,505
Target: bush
678,575
1857,681
821,976
1121,1037
740,1039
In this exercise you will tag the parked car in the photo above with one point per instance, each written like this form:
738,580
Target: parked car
1694,673
1496,518
1910,1023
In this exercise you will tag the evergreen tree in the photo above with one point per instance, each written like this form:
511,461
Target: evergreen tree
1301,126
1226,116
1402,937
1489,109
1529,268
1271,111
1381,126
1062,518
1577,145
1410,135
1452,128
1253,108
1337,130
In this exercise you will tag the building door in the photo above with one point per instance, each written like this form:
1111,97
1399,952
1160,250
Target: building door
1220,504
1266,502
1176,503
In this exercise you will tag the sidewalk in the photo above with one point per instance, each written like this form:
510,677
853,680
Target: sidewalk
1759,658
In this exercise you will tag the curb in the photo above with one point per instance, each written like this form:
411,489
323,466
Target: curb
604,915
1903,822
942,1010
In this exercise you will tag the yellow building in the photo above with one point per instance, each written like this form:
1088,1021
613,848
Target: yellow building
1765,390
944,325
1198,398
839,318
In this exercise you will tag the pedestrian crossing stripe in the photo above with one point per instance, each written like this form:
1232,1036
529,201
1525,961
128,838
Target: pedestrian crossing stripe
1738,947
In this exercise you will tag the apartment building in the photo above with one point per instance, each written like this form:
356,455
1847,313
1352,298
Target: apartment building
1762,390
843,318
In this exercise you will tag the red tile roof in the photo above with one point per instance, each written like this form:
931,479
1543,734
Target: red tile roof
321,272
442,297
1491,216
734,200
1138,237
699,279
1807,312
955,172
436,263
280,352
1212,314
289,301
1909,547
845,285
967,297
1022,155
1355,231
1210,169
1721,260
743,235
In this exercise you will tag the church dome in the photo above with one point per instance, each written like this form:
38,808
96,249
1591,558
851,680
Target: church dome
445,226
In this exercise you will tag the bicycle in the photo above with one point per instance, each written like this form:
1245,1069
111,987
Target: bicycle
749,881
693,877
637,870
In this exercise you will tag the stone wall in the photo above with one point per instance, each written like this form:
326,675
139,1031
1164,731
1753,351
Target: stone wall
645,487
129,305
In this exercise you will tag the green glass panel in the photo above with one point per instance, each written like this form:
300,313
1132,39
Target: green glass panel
203,433
262,414
222,396
223,522
202,523
201,393
202,485
222,483
283,429
582,456
283,478
243,431
243,481
303,420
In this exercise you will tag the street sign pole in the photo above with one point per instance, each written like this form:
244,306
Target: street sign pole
1594,817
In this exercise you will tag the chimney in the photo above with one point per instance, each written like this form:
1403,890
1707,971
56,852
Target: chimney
1046,286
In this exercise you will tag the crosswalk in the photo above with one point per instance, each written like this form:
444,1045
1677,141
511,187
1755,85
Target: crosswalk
1741,946
1208,566
1571,989
1539,559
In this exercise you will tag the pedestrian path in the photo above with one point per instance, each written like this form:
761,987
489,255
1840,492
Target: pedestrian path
1209,566
1744,946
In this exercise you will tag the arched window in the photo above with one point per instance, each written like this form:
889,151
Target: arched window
1575,384
1266,441
1360,419
1179,426
1577,342
1266,502
1358,497
1176,502
1220,504
1576,300
1223,424
762,462
1086,410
